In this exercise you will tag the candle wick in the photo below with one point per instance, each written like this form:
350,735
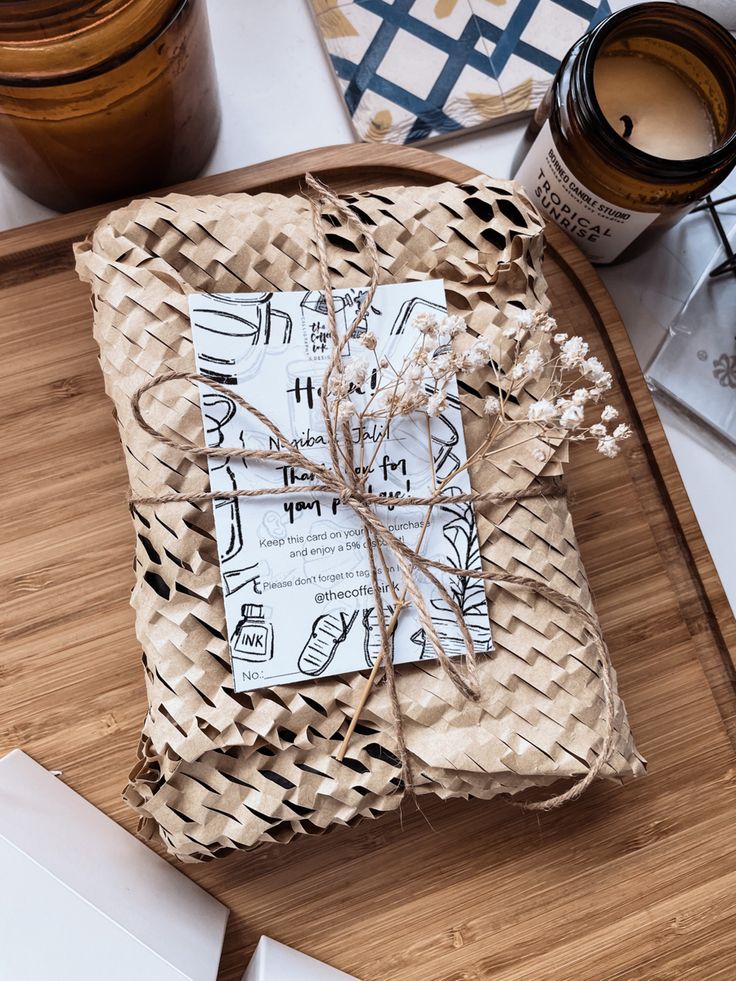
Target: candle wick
628,125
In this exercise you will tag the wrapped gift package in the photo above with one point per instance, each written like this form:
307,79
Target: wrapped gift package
273,961
219,770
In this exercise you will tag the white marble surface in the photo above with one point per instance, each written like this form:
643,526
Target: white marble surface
278,97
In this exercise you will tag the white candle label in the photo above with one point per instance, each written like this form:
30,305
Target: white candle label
601,229
296,582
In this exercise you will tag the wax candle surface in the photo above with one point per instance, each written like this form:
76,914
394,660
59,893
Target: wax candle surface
653,107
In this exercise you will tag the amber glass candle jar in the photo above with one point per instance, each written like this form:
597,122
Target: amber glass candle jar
639,123
104,98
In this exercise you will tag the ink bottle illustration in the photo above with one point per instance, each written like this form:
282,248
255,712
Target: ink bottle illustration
253,636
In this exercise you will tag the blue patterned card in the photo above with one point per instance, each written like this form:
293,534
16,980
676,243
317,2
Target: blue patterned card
414,70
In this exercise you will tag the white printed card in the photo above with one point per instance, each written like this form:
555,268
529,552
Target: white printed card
295,575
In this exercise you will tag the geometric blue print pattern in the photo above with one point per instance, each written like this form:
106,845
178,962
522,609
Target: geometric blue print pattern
496,43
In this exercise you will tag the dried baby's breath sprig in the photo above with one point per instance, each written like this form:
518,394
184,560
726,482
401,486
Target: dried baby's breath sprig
567,380
529,354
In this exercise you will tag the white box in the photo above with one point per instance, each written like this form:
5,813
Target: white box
81,899
273,961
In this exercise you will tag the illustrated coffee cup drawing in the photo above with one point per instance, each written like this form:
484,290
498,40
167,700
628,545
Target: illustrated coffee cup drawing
253,319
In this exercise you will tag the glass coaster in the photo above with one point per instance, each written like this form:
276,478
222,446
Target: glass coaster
695,366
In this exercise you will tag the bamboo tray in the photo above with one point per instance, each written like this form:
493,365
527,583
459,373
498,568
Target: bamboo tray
630,882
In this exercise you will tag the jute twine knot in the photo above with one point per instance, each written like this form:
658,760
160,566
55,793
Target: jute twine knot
339,479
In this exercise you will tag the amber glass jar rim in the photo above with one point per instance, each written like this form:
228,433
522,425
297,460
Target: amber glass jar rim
94,68
599,130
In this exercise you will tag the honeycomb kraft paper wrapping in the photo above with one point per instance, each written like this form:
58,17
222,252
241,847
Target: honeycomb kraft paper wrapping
219,771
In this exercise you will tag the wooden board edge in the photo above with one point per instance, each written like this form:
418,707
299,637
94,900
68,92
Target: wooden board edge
661,462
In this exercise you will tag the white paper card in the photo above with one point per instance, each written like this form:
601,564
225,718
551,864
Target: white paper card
295,574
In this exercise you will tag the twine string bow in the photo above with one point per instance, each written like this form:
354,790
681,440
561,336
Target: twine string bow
340,480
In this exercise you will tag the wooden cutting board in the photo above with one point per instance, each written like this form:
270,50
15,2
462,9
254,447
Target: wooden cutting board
635,881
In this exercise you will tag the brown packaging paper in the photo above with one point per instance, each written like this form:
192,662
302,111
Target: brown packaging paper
219,771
